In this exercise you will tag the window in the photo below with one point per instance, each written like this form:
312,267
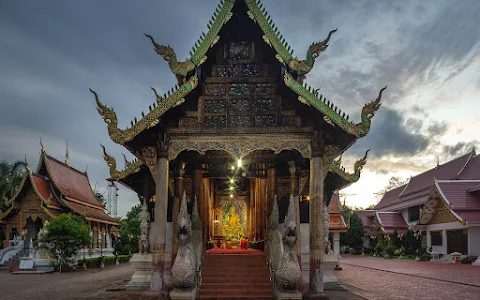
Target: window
414,213
436,238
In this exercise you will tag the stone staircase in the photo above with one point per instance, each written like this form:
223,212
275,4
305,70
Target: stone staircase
235,276
17,256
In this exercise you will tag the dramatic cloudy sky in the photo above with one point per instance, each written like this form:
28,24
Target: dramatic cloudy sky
428,52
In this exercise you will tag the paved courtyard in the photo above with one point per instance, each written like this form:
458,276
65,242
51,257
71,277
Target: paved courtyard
90,284
376,278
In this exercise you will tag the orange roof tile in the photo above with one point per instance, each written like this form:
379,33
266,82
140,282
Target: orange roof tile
90,212
335,206
337,223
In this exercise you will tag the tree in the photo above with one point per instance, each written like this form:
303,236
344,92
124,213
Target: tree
100,197
393,183
11,175
64,236
129,232
354,236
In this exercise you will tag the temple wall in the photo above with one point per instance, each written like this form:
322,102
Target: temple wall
474,240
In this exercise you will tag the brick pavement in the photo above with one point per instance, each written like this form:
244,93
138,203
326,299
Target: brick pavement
466,274
73,285
374,278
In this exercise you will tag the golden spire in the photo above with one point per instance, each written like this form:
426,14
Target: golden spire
67,160
27,167
41,145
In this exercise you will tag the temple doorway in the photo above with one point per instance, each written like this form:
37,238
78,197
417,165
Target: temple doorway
31,230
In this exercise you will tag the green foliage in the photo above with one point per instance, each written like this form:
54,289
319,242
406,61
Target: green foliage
64,236
390,250
11,175
397,252
100,198
354,236
367,250
379,248
130,230
396,240
425,257
107,260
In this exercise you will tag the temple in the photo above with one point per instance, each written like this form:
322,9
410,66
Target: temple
441,205
53,189
240,133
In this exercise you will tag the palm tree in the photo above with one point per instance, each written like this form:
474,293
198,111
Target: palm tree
11,175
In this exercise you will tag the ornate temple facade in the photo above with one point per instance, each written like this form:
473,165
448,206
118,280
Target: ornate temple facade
241,130
442,206
53,189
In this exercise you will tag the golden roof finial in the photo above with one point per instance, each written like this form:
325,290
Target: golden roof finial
67,159
41,145
438,162
26,164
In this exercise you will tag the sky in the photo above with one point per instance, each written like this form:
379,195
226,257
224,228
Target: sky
427,52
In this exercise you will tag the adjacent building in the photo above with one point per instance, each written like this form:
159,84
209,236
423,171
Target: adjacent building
53,189
442,205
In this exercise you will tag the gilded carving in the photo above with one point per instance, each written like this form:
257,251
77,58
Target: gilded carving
150,158
162,104
240,146
130,166
336,167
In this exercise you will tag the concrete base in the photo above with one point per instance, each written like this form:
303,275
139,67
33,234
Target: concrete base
178,294
142,266
476,262
288,295
330,281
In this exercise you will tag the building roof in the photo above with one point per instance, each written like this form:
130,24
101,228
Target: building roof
448,170
91,213
472,171
457,193
337,222
392,221
71,182
390,197
416,191
366,216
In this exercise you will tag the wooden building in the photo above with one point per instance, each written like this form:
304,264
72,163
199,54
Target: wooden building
241,126
53,189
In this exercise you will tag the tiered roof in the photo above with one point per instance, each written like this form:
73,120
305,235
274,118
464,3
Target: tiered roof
417,190
293,77
62,189
391,221
337,222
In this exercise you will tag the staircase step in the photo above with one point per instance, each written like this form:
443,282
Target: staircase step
235,276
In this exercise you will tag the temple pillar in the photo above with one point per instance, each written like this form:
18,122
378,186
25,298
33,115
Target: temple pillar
294,191
251,211
317,177
271,182
158,228
179,172
336,243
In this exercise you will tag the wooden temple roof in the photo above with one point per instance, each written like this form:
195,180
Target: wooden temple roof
293,77
337,222
62,189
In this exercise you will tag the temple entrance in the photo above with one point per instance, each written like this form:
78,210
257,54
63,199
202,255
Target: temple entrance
30,232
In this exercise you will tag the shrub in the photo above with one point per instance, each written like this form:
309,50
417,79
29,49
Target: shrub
425,257
379,248
397,252
124,258
357,250
367,250
390,250
410,251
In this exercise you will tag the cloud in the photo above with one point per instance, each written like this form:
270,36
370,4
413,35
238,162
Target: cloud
437,128
389,135
459,148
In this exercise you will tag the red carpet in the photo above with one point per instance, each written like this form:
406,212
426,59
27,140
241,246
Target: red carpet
233,251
